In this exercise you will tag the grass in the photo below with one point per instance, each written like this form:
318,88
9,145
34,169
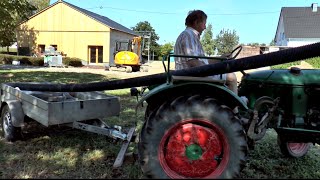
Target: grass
62,152
285,65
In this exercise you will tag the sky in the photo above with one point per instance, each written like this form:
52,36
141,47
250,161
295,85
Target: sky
255,21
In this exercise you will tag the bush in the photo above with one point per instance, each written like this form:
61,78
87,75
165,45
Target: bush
6,59
315,62
75,62
37,61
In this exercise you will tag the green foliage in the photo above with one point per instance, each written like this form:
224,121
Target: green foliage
12,12
256,44
207,40
286,65
315,62
37,61
226,40
75,62
145,28
166,48
39,4
272,43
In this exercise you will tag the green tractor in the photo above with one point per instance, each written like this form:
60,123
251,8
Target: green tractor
190,130
287,101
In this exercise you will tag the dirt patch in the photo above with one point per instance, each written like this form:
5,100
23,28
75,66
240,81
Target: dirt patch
154,67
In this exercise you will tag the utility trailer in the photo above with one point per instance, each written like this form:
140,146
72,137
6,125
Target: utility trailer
80,110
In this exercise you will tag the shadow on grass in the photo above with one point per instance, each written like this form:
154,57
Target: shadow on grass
55,77
63,152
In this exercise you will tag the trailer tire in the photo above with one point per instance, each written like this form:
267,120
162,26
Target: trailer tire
210,137
9,131
292,149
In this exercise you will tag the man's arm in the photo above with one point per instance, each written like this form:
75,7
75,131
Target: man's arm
195,63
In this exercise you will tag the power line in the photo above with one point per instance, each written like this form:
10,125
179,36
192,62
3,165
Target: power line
154,12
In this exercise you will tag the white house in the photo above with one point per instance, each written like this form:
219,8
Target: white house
298,26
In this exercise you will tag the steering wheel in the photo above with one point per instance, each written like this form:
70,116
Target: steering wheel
230,57
238,49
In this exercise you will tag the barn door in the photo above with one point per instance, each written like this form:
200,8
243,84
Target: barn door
95,54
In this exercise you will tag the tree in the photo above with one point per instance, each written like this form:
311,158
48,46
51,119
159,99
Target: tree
12,12
166,49
226,41
253,44
145,28
256,44
39,4
273,42
207,40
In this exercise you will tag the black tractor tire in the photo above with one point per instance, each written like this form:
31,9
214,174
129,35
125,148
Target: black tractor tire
192,137
292,149
9,132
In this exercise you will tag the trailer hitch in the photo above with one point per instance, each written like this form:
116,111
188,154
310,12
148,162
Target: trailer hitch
111,132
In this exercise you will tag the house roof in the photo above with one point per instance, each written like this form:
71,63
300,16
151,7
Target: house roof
104,20
112,24
301,22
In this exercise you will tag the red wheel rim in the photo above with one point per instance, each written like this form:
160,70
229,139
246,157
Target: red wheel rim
297,148
194,148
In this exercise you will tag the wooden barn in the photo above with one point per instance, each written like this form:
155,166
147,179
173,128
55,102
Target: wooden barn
74,31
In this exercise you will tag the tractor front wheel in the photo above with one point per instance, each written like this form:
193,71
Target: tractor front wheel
292,149
192,137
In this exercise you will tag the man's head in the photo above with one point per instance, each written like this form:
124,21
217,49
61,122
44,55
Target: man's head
196,19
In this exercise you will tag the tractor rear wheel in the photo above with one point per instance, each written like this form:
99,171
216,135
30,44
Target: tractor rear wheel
9,132
292,149
192,137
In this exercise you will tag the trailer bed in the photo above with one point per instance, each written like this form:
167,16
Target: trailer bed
52,108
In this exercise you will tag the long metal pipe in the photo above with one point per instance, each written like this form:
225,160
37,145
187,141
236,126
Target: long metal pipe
252,62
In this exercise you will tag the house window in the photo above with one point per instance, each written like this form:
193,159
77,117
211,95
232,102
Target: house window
95,54
41,48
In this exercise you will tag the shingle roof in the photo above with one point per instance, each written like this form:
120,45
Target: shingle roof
301,22
112,24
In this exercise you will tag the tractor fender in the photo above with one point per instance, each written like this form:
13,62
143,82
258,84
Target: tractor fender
16,111
220,92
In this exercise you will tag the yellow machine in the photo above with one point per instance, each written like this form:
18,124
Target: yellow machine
128,56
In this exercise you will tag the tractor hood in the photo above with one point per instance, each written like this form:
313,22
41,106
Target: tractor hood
292,76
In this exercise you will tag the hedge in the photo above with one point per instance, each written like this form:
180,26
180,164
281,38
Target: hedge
37,61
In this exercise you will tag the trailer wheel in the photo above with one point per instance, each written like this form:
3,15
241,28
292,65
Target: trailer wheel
292,149
192,137
9,132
